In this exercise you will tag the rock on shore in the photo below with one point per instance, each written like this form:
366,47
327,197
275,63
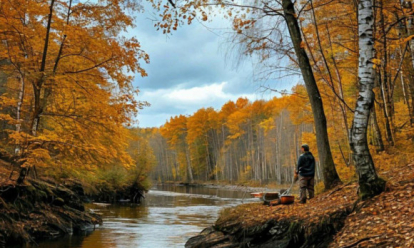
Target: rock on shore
271,234
37,210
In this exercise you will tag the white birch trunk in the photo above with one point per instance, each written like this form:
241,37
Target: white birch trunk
18,112
369,182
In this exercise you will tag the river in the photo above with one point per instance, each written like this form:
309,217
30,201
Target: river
168,217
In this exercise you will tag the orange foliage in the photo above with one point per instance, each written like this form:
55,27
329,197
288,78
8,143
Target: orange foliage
68,79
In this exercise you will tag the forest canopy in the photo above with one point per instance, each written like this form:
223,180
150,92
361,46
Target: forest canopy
67,97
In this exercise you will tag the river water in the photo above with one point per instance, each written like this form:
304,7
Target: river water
168,217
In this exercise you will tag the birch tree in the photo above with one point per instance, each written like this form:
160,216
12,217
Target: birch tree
369,182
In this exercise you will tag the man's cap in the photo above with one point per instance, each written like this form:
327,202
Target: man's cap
306,147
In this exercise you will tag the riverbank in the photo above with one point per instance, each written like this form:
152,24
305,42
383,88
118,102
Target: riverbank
336,218
46,208
38,210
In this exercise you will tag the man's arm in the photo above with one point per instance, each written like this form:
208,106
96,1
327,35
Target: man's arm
299,164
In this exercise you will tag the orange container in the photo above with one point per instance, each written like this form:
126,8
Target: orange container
287,199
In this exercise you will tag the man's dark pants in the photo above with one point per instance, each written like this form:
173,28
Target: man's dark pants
306,183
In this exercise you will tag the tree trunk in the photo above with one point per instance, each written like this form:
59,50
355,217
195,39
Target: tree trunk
384,82
410,31
37,85
377,131
407,8
384,107
36,111
190,177
22,175
370,184
325,156
278,150
411,93
403,82
18,112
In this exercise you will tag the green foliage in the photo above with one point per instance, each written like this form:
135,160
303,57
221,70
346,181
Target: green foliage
112,179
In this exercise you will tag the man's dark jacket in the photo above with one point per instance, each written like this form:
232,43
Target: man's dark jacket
306,165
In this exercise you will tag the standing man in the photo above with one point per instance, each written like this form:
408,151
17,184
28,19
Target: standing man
306,171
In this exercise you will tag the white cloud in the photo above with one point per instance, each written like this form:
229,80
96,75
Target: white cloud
189,70
203,93
166,103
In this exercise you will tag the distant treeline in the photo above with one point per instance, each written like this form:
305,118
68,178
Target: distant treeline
243,141
259,141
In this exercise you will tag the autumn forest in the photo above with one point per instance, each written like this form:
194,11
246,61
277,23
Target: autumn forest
259,141
69,108
68,102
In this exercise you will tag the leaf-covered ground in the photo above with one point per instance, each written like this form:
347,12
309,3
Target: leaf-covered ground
386,220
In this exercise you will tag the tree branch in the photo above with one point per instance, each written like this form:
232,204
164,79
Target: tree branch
90,68
46,46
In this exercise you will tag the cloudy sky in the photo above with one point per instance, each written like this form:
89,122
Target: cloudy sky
189,70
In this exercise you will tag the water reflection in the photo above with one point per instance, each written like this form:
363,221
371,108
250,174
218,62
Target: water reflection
167,218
